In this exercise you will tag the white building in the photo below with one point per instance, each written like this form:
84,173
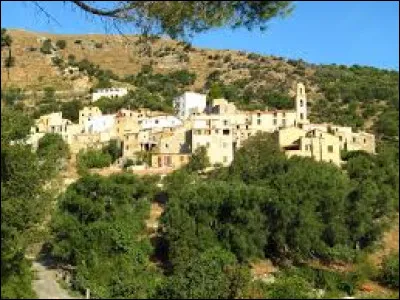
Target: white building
99,124
160,122
110,93
188,103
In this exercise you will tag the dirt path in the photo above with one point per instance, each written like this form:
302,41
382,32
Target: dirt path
45,284
390,243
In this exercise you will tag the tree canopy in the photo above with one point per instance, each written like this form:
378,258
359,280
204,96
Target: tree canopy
180,19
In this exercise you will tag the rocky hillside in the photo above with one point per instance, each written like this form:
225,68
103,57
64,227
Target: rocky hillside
354,96
124,55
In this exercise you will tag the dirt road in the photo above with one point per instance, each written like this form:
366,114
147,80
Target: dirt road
45,284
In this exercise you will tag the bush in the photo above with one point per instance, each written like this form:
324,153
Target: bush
78,42
9,62
199,160
114,149
128,163
49,94
98,45
289,287
71,58
390,271
47,47
57,61
61,44
253,56
92,159
12,95
227,58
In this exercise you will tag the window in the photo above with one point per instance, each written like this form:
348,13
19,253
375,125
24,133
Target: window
208,145
340,138
182,159
365,141
169,161
258,115
224,145
247,126
208,132
225,159
237,126
330,149
284,122
216,131
225,122
275,114
301,103
225,132
284,115
166,145
301,116
354,139
275,121
127,147
301,90
258,122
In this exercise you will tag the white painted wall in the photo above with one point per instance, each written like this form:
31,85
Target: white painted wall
189,101
160,122
111,92
99,124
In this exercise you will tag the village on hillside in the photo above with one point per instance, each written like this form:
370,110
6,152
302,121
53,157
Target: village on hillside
218,126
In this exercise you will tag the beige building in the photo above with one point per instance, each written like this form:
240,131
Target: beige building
87,113
349,140
84,141
221,128
169,160
317,144
51,123
217,140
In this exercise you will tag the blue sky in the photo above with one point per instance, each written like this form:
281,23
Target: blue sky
341,32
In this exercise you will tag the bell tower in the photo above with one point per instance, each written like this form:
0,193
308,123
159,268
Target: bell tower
301,104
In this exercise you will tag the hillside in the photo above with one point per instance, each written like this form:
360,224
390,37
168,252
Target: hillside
353,96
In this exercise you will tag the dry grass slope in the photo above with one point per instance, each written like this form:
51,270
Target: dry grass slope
123,56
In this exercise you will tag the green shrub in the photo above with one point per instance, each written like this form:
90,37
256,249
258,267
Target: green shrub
57,61
114,149
9,62
98,45
128,163
390,271
289,287
47,47
199,160
12,95
49,94
227,58
61,44
93,159
71,58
